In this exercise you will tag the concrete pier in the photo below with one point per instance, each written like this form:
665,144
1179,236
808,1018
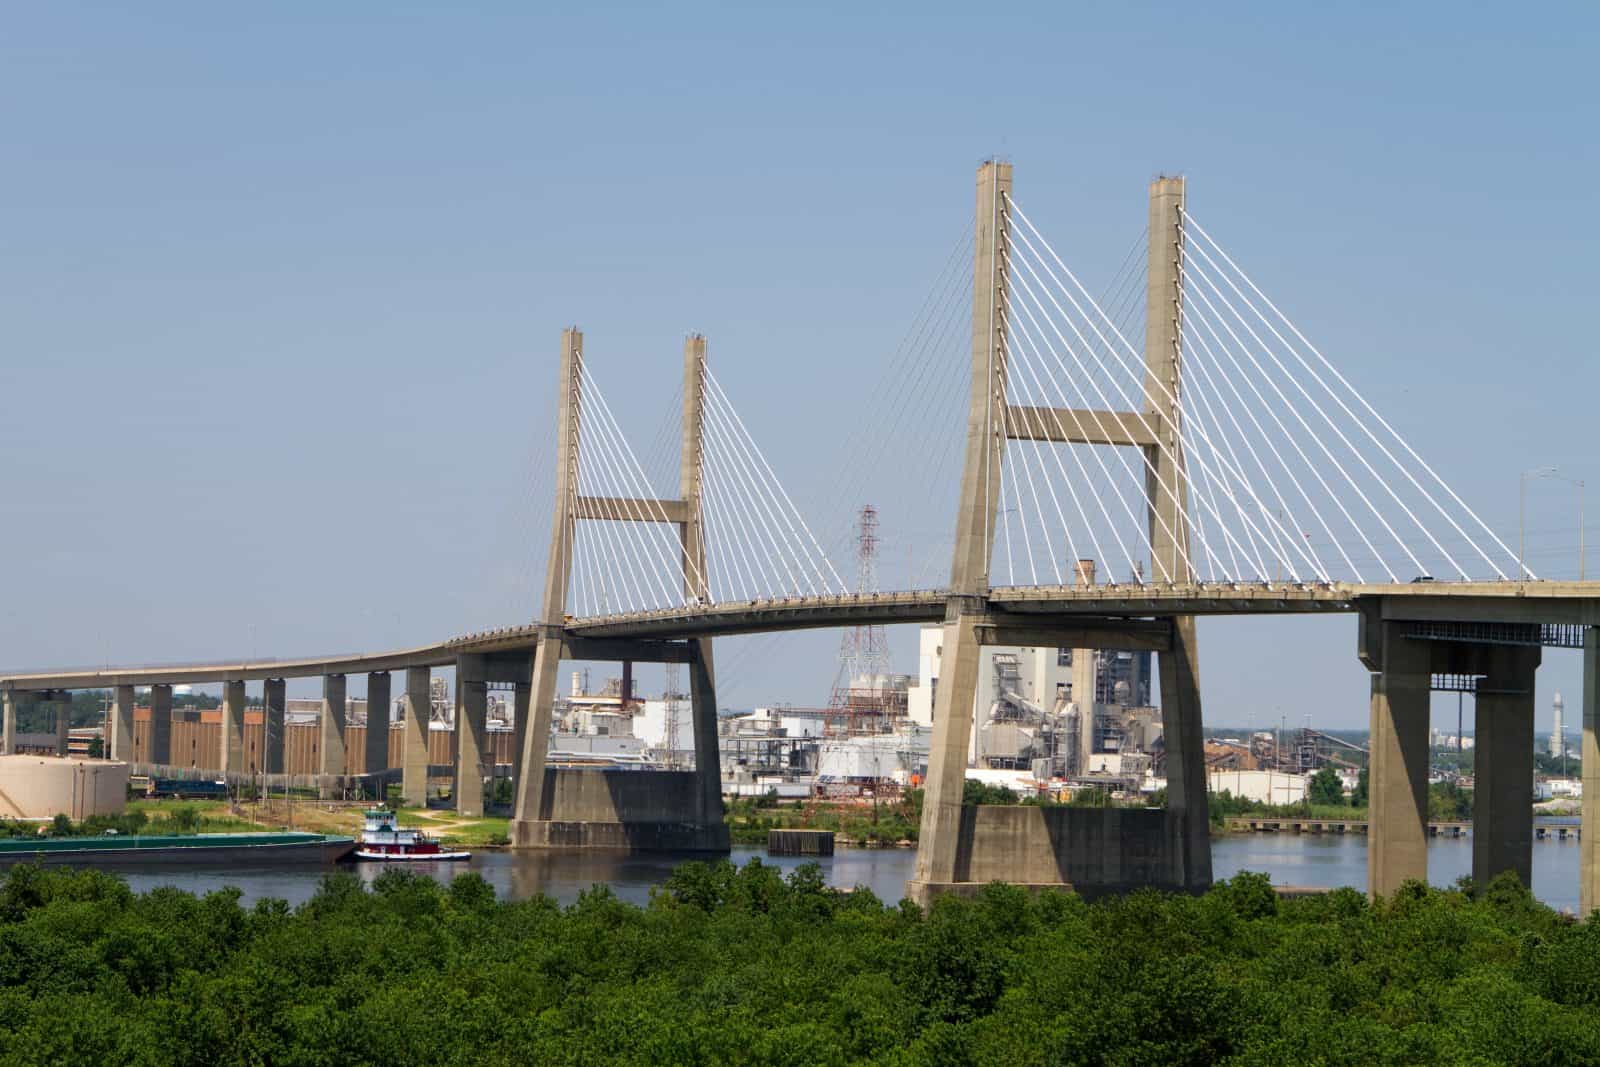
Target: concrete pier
939,843
330,744
532,787
521,709
8,738
230,758
119,742
1188,808
61,704
472,714
273,703
377,737
414,749
1589,861
1502,817
707,752
160,747
1397,842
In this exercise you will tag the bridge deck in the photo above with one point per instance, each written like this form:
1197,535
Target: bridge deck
1574,603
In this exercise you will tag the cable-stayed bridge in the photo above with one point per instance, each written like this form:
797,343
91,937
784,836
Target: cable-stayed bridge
1220,463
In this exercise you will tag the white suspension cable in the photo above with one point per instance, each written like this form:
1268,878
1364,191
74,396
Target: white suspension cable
730,526
648,518
1136,409
1099,418
1178,503
1197,413
644,550
1005,523
776,482
1200,247
1361,399
621,552
742,525
1049,542
1172,400
770,532
1028,345
1205,328
647,529
1200,291
652,515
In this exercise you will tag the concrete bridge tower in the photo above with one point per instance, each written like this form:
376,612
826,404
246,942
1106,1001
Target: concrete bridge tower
1088,848
571,808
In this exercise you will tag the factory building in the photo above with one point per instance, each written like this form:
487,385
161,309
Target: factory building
1027,712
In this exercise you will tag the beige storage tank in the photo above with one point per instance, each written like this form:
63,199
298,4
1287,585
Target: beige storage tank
41,787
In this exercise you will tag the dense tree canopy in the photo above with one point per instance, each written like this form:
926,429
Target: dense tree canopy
744,966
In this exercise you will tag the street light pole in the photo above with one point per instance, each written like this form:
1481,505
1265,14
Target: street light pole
1580,530
1522,517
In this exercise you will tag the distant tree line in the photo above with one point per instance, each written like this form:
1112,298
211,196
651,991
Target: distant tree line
88,708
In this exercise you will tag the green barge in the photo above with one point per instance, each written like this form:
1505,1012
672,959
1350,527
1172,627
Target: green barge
179,850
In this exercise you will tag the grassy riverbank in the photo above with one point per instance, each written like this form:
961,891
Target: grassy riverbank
323,817
746,966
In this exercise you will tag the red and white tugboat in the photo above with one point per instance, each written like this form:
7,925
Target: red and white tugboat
382,839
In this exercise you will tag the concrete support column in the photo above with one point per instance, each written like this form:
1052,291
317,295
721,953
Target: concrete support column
414,754
1502,799
63,709
939,844
521,709
1183,736
1083,682
707,751
532,803
330,743
377,740
1397,776
472,713
160,747
8,740
230,756
1589,832
119,743
272,702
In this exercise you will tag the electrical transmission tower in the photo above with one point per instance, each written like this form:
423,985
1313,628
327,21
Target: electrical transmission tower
863,694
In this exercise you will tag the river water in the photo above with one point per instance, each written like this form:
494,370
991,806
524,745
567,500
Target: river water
1322,861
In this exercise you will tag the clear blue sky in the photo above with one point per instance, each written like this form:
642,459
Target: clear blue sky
281,286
